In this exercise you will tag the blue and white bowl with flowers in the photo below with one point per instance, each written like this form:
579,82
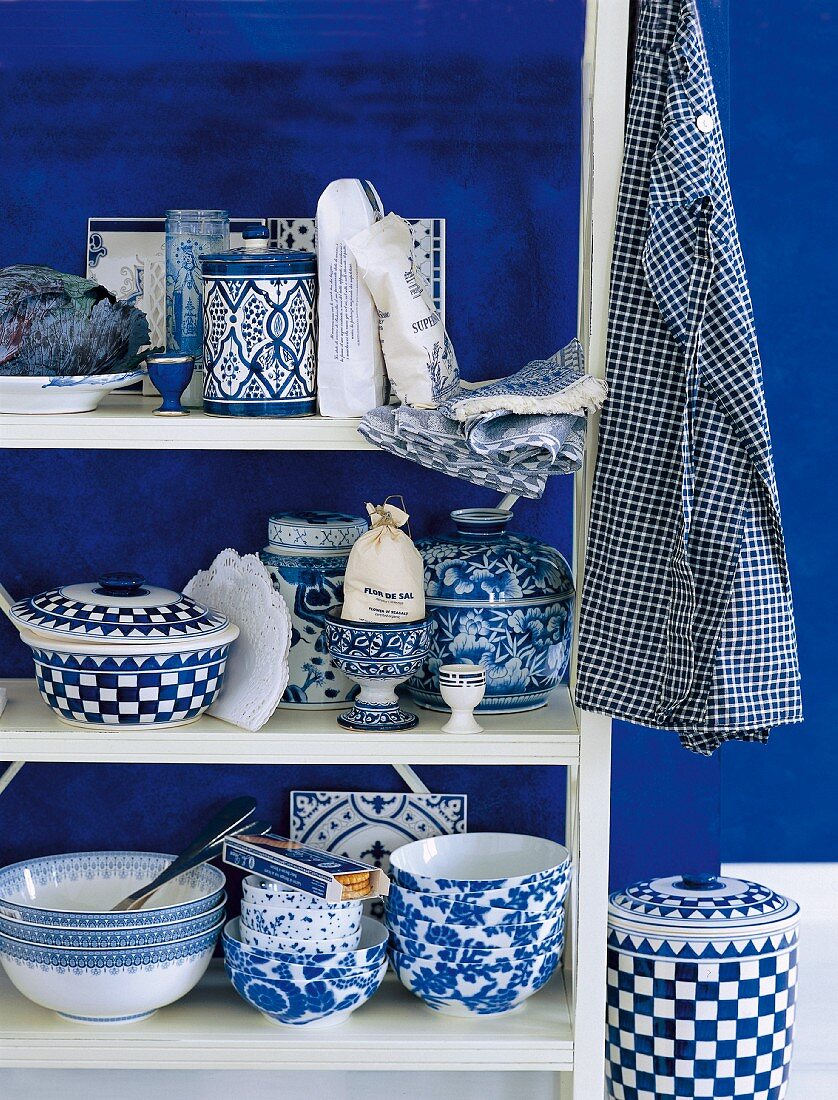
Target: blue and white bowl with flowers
256,952
500,600
299,995
508,870
463,910
406,925
122,653
306,557
469,956
478,988
78,890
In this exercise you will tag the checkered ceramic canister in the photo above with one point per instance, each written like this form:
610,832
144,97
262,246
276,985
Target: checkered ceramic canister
701,983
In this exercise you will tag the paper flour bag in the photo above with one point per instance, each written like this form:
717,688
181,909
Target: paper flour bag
418,356
385,577
350,368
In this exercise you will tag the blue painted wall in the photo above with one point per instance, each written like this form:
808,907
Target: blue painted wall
467,110
778,803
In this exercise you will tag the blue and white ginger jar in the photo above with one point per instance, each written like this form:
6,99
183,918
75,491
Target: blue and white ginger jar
259,321
306,557
702,973
500,600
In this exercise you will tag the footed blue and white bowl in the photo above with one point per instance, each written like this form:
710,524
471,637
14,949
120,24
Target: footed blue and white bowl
257,950
454,934
469,956
78,890
107,986
474,989
103,938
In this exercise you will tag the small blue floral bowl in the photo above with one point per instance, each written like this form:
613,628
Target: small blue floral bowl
452,933
474,989
314,1001
370,952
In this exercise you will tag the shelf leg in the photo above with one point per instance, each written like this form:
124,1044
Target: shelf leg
589,788
9,774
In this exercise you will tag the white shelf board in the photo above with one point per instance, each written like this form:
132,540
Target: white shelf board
30,731
126,422
212,1028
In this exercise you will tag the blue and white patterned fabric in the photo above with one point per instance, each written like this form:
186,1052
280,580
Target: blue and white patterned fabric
509,435
686,620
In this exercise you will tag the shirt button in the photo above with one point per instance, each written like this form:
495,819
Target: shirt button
705,123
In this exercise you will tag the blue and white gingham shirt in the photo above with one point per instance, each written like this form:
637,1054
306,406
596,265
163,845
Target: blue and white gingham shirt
686,618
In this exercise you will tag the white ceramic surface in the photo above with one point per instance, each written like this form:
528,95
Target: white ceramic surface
64,395
462,687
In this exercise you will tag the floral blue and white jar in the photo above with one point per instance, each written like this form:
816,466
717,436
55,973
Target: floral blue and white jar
702,974
259,343
500,600
306,557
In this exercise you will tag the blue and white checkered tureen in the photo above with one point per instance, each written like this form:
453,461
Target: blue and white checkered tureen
476,920
63,947
123,653
702,972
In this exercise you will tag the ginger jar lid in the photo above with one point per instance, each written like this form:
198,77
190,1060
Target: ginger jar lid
314,533
119,608
482,564
701,906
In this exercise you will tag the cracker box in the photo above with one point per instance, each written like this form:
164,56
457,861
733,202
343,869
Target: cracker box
323,874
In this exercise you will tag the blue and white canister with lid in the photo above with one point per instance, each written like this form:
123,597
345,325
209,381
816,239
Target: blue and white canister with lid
702,974
259,329
306,557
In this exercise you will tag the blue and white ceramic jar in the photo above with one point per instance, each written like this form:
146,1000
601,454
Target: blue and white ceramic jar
702,974
306,557
259,344
503,601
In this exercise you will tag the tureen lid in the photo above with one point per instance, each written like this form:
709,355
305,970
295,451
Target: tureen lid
121,608
484,564
699,904
315,532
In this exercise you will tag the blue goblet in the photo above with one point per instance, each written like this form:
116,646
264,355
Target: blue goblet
171,373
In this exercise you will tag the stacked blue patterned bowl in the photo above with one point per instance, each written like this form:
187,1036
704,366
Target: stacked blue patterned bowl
63,948
302,962
476,920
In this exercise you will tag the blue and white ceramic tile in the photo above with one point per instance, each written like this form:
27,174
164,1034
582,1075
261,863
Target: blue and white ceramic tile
428,245
369,826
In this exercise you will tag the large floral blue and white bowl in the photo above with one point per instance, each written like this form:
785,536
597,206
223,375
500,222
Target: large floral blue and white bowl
468,956
78,890
107,986
510,870
499,600
256,951
118,653
446,907
124,938
462,936
478,989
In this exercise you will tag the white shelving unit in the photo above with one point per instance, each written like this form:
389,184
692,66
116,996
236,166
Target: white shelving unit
562,1029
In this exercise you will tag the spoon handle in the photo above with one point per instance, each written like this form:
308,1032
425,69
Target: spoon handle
227,819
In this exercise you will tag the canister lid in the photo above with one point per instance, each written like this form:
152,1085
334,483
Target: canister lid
314,532
256,258
119,608
699,905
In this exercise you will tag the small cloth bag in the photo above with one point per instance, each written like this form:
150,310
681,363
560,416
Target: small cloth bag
385,577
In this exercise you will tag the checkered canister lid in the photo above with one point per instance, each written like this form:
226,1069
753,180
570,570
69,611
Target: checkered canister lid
119,608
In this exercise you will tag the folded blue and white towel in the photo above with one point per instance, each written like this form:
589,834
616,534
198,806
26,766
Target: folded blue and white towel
509,435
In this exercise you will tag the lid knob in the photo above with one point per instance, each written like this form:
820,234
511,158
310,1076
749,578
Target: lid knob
699,880
121,584
255,236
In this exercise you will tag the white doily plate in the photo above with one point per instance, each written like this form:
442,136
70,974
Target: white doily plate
257,668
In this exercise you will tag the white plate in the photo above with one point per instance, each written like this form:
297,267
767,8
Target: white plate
70,394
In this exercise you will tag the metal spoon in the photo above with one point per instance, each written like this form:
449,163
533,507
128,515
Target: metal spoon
203,847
